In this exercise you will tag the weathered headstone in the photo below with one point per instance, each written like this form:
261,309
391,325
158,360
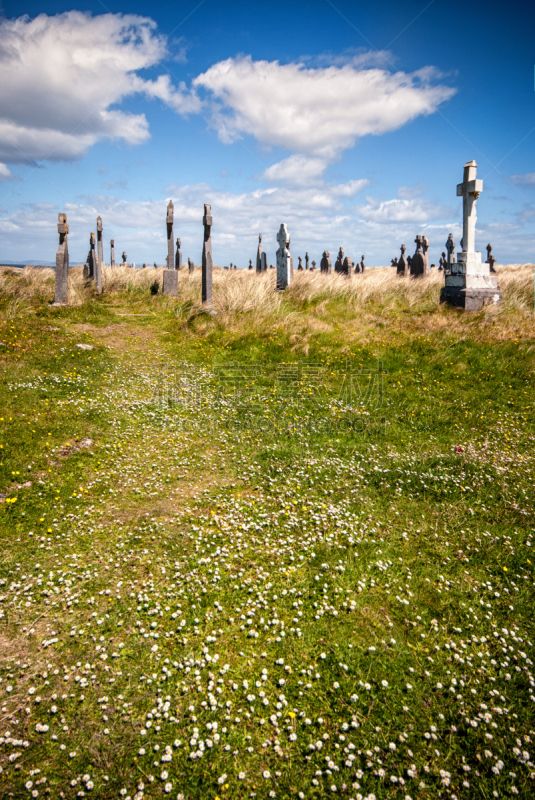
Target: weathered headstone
191,265
264,262
490,258
347,267
250,263
313,267
207,256
95,267
443,263
450,249
362,265
284,259
259,254
418,269
409,262
112,252
100,245
144,266
61,288
300,264
155,265
326,263
123,256
403,265
170,282
394,261
170,260
469,284
178,255
306,260
339,263
425,253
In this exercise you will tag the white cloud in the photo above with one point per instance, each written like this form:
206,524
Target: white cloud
61,75
297,170
528,179
6,174
317,112
417,210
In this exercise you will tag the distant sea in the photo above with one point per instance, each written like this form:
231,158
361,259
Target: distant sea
20,264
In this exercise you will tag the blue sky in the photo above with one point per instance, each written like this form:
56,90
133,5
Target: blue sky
349,121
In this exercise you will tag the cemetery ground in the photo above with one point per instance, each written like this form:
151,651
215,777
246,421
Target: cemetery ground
281,551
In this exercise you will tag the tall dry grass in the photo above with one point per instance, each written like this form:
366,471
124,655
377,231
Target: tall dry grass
379,289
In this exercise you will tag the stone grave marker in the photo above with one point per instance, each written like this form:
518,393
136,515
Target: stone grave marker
250,263
123,256
112,252
490,258
326,263
207,265
306,261
61,288
347,267
469,283
402,266
100,244
339,263
300,264
362,265
313,267
178,255
418,269
443,262
264,262
284,259
191,265
170,259
259,254
450,249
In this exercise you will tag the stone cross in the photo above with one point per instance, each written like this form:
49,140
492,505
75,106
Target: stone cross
442,264
403,266
95,266
62,263
207,256
339,263
112,252
123,256
250,263
425,252
284,259
469,190
418,268
100,250
490,258
450,249
326,263
306,260
259,254
170,260
178,255
300,265
362,264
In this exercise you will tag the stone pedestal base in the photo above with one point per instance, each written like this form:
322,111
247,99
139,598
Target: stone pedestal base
170,282
469,299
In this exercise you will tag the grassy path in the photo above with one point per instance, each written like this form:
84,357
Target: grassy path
231,569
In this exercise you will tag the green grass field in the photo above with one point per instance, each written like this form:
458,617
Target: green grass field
284,551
